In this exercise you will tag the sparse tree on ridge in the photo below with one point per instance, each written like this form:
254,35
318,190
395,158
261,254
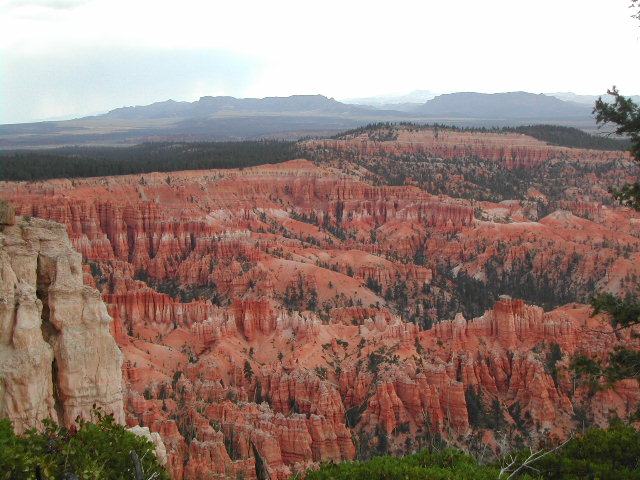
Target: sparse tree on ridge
622,363
625,114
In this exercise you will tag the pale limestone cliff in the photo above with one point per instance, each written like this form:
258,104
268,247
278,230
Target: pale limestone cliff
58,358
153,437
7,213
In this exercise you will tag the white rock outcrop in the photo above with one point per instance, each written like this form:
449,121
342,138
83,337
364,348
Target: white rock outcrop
58,358
153,437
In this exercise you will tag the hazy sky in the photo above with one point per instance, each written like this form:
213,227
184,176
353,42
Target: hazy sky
76,57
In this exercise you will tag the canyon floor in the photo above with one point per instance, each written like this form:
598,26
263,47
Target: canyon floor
394,288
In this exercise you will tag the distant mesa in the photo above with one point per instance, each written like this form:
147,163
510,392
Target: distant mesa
208,105
415,102
511,105
586,99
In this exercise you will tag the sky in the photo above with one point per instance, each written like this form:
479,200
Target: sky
69,58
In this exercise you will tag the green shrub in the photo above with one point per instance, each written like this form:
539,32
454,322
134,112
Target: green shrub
612,454
448,464
98,450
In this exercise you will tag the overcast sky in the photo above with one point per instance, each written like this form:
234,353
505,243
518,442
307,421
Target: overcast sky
62,58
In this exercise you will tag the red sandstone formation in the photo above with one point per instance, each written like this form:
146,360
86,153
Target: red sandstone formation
513,149
297,409
279,306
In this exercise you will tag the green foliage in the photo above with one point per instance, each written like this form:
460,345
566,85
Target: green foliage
622,363
98,450
182,293
553,357
445,465
479,415
473,295
75,162
248,371
298,296
419,258
612,454
570,137
583,418
379,356
470,296
629,195
380,131
382,441
372,284
625,114
475,407
230,444
624,313
354,414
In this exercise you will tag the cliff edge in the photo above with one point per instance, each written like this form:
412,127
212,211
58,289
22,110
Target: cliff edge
58,359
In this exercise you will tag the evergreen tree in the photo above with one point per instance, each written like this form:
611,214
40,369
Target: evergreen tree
621,363
625,114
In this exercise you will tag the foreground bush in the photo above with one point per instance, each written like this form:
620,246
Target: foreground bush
446,465
612,454
98,450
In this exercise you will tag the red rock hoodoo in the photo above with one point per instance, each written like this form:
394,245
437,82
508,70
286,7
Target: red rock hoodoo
309,309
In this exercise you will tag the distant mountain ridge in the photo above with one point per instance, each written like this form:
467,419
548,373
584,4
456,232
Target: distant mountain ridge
510,105
225,118
415,99
208,105
587,99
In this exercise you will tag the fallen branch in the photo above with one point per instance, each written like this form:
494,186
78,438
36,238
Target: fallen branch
533,457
